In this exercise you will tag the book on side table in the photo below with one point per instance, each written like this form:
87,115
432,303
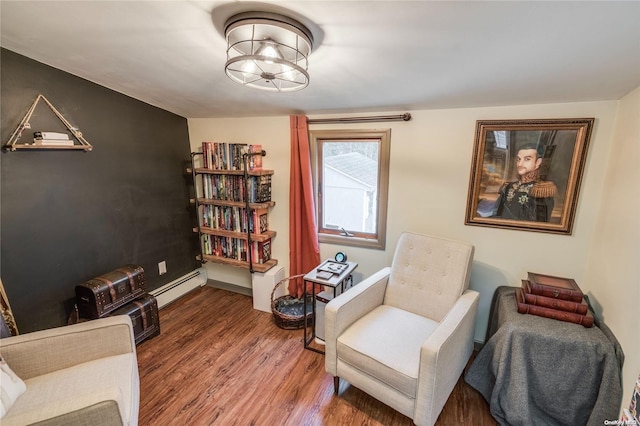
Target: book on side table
556,287
524,308
553,302
553,297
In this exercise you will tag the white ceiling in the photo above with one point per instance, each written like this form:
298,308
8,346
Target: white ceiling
370,56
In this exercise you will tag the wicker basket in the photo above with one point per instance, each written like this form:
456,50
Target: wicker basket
287,310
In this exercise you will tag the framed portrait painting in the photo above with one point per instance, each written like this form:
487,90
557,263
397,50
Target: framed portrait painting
526,174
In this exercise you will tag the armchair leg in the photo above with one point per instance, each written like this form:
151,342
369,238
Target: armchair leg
336,384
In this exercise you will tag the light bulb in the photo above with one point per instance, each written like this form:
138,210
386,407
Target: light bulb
269,50
288,73
249,68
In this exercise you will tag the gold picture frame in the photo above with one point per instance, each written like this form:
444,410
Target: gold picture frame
526,174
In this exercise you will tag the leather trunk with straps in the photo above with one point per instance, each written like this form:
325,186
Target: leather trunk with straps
144,317
102,295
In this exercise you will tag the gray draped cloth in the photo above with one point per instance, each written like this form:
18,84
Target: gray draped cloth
540,371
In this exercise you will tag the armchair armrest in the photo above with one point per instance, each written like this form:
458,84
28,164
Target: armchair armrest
351,305
41,352
445,354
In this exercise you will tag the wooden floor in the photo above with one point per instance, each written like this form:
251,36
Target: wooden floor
219,361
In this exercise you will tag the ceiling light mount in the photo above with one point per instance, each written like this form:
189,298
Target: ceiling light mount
267,51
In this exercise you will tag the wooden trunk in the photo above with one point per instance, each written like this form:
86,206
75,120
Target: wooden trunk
144,317
102,295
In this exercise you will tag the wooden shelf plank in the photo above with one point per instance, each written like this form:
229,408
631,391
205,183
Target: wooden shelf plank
17,147
202,170
258,267
216,202
240,235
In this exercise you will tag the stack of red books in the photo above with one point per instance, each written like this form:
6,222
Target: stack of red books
553,297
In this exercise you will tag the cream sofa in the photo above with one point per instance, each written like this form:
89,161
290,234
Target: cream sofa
82,374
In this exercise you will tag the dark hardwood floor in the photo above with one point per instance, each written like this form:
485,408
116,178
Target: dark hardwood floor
219,361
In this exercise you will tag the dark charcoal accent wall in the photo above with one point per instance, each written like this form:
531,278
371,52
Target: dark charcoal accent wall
69,216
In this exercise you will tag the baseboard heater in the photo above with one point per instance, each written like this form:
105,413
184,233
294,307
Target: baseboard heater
179,287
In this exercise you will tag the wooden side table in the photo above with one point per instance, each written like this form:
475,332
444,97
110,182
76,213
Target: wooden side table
329,273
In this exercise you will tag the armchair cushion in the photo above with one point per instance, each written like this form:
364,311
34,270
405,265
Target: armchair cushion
344,310
108,379
385,344
428,275
105,413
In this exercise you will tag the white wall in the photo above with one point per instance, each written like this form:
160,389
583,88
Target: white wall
429,178
613,268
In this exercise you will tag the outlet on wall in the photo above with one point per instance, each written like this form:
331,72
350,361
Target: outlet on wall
162,267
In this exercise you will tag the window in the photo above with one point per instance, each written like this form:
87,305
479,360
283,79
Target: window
352,181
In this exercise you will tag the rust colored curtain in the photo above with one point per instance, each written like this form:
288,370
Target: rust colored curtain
304,252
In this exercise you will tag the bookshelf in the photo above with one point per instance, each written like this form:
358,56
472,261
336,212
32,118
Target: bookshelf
233,201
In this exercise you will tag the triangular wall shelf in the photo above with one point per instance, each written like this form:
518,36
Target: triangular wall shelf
12,144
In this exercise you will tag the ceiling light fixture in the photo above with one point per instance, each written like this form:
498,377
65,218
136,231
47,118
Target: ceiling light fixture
267,51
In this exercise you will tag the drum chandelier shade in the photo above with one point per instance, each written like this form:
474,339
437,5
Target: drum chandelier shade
268,51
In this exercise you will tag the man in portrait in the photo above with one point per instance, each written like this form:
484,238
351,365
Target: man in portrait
530,197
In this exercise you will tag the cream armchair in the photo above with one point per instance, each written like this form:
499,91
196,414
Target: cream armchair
82,374
405,334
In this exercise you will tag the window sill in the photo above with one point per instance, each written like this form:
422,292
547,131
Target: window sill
341,240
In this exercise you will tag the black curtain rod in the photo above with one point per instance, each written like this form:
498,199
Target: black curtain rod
402,117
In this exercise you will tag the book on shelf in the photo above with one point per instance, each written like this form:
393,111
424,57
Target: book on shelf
259,189
259,221
226,247
552,302
236,248
51,135
230,156
53,142
236,153
214,155
206,155
255,161
222,187
233,188
586,320
261,251
222,154
555,287
235,219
